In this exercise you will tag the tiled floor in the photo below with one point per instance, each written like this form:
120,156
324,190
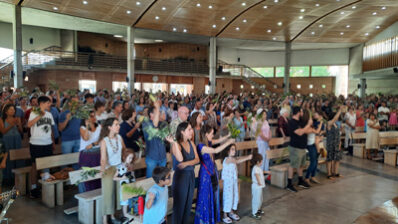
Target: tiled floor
365,186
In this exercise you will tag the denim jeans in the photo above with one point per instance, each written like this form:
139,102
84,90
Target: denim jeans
71,147
151,164
262,148
312,152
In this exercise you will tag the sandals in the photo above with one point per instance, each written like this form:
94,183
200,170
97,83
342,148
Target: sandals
330,177
227,220
234,216
315,181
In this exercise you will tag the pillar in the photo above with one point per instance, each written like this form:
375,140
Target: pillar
212,64
362,90
286,81
17,46
130,59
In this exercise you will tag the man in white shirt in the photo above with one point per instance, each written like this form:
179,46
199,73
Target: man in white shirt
41,140
350,119
383,113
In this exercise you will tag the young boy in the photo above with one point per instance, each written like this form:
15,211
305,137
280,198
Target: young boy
258,184
157,197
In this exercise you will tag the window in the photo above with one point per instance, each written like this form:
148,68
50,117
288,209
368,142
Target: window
207,89
91,85
5,53
280,71
302,71
184,89
265,72
155,87
123,85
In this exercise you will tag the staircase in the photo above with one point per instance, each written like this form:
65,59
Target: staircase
247,73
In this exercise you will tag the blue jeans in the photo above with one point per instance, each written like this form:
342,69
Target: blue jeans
70,147
262,148
151,164
312,152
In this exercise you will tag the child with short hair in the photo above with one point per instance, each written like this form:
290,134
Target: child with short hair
258,184
125,175
157,197
229,175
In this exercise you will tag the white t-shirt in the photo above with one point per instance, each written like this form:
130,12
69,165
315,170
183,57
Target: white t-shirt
383,117
93,137
350,119
102,117
310,138
259,171
200,110
40,132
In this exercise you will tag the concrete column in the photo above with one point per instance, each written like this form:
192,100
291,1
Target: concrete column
212,64
362,90
130,59
288,52
17,46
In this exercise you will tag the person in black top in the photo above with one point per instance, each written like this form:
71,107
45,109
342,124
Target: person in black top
298,143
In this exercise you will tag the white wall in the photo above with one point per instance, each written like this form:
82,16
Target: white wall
391,31
42,37
253,58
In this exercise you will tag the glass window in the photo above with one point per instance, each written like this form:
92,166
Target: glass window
155,87
265,72
184,89
91,85
302,71
207,89
321,71
123,85
280,71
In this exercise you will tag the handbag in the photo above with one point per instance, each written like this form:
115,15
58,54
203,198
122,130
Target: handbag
213,177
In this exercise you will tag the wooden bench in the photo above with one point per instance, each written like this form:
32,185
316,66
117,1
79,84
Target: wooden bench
358,145
390,156
23,173
50,188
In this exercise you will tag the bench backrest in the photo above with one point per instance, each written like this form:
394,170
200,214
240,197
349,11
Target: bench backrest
358,137
388,134
277,153
75,176
273,122
388,141
19,154
359,129
56,161
273,143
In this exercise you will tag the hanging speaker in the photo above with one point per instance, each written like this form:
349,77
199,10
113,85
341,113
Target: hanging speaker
12,74
127,79
359,86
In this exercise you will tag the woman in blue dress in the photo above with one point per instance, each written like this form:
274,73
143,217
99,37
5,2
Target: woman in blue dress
185,157
208,201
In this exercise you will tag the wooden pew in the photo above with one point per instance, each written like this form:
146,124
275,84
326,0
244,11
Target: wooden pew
23,173
389,139
359,140
50,188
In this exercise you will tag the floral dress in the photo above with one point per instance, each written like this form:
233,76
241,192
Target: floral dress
332,144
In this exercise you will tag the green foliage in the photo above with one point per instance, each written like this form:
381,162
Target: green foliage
156,132
36,110
136,191
78,109
86,173
233,130
141,144
53,85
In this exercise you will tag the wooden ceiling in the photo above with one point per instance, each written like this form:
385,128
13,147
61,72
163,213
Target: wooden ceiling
334,21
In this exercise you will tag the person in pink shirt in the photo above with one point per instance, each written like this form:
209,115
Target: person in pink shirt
263,134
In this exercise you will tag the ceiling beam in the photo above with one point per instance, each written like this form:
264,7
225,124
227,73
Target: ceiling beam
318,19
143,13
237,16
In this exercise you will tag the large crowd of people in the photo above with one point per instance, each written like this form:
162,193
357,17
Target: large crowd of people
116,128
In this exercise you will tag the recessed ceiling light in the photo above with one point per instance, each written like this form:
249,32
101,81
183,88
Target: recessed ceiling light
337,0
198,5
243,3
383,8
354,7
269,31
138,3
85,2
374,13
128,12
174,29
164,8
302,10
276,1
342,33
184,30
317,5
312,33
342,13
265,6
377,27
55,8
158,41
237,29
301,17
118,36
156,17
348,26
210,6
214,26
366,34
280,23
320,25
244,21
274,38
223,18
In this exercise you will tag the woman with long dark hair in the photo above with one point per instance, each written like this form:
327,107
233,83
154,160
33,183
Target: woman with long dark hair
196,123
185,157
